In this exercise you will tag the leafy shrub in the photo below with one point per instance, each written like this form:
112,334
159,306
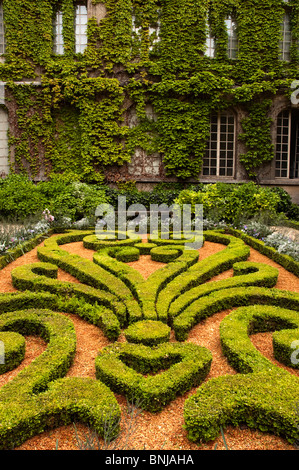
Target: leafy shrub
285,204
148,332
74,200
64,198
146,198
230,202
19,197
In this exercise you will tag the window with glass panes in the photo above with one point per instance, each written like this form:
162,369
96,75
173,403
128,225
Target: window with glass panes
232,46
210,46
2,32
155,30
220,152
58,46
287,145
81,27
286,35
282,145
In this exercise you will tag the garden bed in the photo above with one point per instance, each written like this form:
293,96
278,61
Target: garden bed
165,429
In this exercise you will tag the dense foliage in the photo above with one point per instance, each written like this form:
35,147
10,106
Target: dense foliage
77,121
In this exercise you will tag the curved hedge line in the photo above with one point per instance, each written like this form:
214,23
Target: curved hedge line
145,290
204,270
122,365
113,296
284,260
98,307
148,332
262,395
92,242
35,400
236,328
12,350
88,272
245,274
230,298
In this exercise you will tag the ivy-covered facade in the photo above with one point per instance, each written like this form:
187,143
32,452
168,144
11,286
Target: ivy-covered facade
151,90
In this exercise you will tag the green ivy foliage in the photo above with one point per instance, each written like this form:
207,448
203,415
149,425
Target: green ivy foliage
122,65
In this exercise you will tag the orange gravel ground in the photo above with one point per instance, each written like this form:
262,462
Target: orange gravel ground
162,431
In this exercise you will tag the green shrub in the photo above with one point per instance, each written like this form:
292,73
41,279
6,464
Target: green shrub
13,350
121,366
38,398
20,198
72,199
127,254
231,202
284,260
262,395
148,332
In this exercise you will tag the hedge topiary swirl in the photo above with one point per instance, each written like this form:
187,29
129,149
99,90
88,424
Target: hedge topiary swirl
113,296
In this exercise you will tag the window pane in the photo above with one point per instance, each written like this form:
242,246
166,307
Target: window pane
58,47
285,43
219,158
232,46
210,45
282,149
81,28
2,37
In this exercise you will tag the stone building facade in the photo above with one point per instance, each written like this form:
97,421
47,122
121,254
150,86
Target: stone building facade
221,160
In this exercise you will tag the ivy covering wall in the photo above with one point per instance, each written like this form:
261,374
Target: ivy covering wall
76,121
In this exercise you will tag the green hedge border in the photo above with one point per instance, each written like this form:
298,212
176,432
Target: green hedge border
262,395
38,398
284,260
23,248
229,298
13,350
121,366
148,332
246,274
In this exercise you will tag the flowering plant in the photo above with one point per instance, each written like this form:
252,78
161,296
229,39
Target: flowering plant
48,216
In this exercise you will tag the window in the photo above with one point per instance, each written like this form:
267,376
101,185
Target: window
135,29
232,46
154,32
4,152
81,27
220,152
2,32
287,145
210,41
285,43
58,46
210,46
